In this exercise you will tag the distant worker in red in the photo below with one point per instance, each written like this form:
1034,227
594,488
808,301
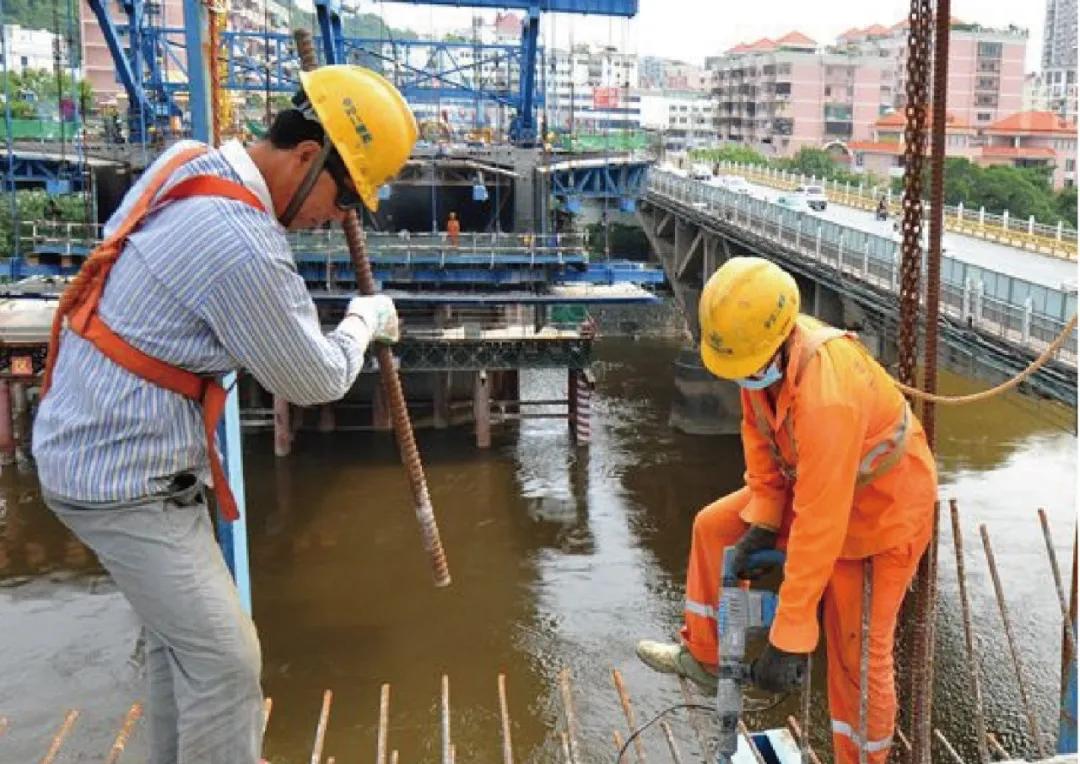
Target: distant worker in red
838,472
453,229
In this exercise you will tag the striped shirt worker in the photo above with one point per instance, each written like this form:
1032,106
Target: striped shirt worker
208,284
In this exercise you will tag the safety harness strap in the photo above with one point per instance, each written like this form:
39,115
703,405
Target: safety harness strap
85,321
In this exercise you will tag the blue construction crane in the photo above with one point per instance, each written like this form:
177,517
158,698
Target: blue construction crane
143,63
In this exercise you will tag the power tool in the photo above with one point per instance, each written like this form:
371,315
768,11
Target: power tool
739,612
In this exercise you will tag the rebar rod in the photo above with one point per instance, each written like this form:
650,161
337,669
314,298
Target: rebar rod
571,718
673,747
802,740
969,636
999,749
320,728
1018,668
447,756
122,737
1070,634
268,704
903,740
750,743
504,716
804,748
948,747
3,725
61,734
410,454
864,657
628,711
564,739
695,721
394,756
384,724
617,739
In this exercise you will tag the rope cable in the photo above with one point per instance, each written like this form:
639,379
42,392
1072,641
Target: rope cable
1034,366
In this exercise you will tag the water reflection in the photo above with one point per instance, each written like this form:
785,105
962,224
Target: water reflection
561,556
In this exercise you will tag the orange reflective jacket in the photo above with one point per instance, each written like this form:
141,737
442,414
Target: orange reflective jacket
840,467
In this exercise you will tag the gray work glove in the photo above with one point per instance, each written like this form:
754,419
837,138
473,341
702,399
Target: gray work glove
756,538
378,314
777,670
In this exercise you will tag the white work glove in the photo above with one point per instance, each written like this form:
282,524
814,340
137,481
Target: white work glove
378,314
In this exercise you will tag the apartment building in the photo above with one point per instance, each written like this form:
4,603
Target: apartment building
685,120
986,66
1057,78
780,95
1024,139
592,88
28,49
253,16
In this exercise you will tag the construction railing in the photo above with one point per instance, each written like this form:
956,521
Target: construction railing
1026,313
1059,240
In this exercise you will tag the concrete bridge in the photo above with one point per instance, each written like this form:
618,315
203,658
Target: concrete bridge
993,323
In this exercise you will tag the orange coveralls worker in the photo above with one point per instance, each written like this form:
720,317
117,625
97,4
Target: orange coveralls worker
841,469
453,229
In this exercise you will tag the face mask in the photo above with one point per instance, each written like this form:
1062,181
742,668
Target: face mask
770,376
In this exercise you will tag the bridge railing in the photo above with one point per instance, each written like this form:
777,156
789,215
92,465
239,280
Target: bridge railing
1058,240
1024,312
550,246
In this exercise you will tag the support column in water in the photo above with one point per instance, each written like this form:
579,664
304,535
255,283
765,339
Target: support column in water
482,409
582,384
7,437
282,431
703,404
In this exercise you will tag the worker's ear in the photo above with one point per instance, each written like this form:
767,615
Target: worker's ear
306,151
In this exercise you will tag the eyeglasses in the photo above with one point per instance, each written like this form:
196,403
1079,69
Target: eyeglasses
347,196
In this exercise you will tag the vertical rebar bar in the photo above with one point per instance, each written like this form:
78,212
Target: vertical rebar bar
695,721
864,657
999,749
948,747
975,682
617,739
504,715
676,755
410,454
394,756
802,740
61,734
320,728
1033,726
122,737
904,740
571,718
804,748
445,706
564,740
628,711
268,704
750,743
1070,634
384,724
937,211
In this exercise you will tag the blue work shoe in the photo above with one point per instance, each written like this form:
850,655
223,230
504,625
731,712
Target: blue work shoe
676,659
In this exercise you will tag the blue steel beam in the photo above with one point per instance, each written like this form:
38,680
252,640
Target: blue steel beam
328,13
132,84
625,8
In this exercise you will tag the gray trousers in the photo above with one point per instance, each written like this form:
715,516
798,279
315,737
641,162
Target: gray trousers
203,658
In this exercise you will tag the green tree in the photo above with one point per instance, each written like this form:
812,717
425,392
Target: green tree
32,205
732,153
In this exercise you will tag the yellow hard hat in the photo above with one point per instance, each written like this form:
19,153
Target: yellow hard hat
367,120
746,311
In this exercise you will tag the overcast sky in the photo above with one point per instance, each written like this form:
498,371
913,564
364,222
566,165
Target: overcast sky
693,29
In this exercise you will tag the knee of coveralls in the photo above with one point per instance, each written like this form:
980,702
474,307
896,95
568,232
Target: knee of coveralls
892,573
716,526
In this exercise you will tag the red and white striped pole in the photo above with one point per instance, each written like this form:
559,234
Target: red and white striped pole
583,415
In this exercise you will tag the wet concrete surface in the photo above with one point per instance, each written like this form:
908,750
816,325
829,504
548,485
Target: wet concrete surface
561,556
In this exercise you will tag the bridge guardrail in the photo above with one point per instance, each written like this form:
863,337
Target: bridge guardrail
1058,241
1026,313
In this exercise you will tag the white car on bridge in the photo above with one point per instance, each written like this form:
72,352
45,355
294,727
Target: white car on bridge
814,196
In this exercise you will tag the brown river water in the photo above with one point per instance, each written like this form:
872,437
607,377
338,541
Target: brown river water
561,557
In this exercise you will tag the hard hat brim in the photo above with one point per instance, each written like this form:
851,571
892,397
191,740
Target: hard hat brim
735,368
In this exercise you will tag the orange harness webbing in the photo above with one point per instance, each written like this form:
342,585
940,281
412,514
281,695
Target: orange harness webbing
80,306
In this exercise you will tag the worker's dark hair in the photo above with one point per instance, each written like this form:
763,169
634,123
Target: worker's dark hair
293,125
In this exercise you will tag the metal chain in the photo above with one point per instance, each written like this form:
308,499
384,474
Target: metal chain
914,151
